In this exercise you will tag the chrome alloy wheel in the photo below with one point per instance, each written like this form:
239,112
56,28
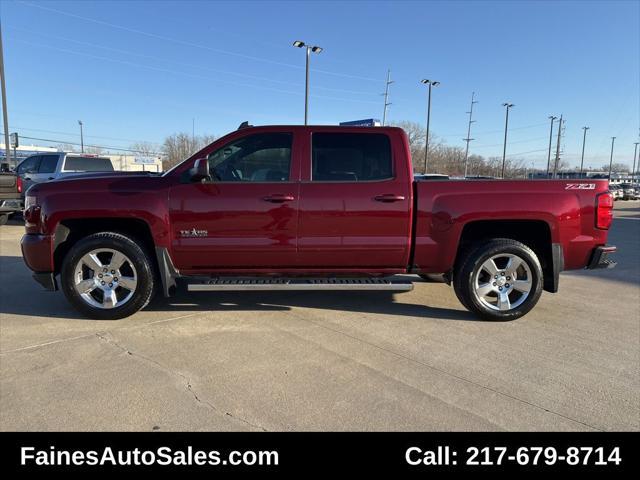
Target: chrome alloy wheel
105,278
503,282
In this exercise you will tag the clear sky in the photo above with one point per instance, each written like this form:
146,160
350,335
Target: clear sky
141,70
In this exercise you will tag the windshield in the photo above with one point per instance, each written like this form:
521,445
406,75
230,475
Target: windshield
87,164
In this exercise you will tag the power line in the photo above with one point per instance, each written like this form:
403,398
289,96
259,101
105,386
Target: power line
187,43
183,64
15,127
176,72
64,142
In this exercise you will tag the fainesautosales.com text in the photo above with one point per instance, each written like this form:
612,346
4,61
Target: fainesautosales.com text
137,457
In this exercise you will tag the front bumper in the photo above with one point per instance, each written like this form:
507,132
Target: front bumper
600,258
37,252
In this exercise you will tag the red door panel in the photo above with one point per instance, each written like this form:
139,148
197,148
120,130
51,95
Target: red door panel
343,225
236,225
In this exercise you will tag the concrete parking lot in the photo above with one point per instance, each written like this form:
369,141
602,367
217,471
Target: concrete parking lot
326,361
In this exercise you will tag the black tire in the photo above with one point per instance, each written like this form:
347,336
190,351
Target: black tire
4,218
468,267
140,260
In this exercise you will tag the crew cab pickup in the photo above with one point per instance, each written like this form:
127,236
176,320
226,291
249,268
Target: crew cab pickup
310,208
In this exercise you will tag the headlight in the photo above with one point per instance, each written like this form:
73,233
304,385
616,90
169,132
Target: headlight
30,201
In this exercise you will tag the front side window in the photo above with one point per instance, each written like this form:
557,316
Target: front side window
29,165
263,157
351,157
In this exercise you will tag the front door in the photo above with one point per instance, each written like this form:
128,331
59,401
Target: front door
245,216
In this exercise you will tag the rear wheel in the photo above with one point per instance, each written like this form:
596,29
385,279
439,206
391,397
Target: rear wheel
4,218
499,280
107,276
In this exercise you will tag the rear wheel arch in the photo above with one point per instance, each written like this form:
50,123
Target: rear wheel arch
535,234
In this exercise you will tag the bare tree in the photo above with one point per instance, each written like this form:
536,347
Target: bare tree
180,146
146,149
616,167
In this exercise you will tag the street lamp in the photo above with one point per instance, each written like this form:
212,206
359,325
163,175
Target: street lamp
431,83
635,155
613,140
552,118
81,137
506,126
584,140
309,49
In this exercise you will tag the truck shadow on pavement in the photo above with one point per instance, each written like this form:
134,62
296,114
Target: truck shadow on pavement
33,301
382,303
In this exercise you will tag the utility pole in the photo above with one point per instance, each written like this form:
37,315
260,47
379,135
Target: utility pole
386,97
584,140
613,140
426,144
507,105
555,165
552,118
5,118
635,154
468,139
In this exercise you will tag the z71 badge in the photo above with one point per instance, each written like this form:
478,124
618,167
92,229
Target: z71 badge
580,186
193,233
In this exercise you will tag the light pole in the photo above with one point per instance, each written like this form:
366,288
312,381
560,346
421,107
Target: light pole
635,154
613,140
81,137
309,49
584,140
552,118
431,83
506,126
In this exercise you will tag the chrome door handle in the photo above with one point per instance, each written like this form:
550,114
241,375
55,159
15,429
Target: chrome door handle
389,197
279,198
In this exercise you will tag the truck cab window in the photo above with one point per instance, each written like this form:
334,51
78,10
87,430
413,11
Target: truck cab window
48,164
30,165
351,157
264,157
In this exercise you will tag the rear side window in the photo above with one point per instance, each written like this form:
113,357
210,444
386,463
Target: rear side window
48,164
351,157
87,164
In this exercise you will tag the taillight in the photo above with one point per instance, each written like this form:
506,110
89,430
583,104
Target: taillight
19,184
33,219
604,210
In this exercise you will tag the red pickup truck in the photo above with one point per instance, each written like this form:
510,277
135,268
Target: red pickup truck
310,208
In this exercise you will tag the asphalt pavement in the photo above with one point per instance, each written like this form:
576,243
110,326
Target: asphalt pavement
326,361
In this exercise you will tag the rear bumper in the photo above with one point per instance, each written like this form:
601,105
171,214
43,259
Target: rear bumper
600,258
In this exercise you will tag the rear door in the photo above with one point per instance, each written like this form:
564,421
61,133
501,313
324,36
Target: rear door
355,202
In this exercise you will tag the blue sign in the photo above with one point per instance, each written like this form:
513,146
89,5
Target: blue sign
369,122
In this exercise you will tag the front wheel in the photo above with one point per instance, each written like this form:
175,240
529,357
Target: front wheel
107,276
499,280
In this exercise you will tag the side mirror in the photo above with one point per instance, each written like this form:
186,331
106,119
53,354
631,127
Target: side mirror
200,170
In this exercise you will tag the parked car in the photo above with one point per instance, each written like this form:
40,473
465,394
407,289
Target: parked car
628,192
310,208
10,192
616,192
49,166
